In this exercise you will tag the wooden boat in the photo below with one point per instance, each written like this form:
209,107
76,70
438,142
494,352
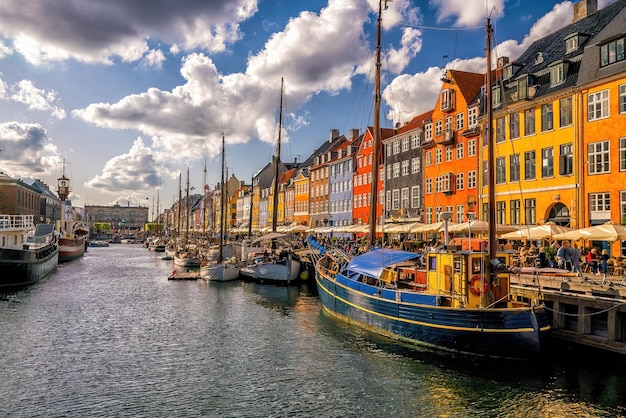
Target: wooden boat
72,234
460,301
25,256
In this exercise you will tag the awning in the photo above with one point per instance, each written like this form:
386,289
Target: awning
373,262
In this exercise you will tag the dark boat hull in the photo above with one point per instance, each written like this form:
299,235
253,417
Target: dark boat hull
515,333
20,268
71,249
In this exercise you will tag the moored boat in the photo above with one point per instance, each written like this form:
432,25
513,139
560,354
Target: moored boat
25,256
72,234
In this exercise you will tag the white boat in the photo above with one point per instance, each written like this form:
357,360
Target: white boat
186,259
280,271
224,269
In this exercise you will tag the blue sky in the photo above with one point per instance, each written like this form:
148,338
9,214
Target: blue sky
131,93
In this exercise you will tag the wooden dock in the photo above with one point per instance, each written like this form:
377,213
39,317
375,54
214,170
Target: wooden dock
188,275
590,310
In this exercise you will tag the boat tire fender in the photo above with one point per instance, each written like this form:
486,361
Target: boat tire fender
475,285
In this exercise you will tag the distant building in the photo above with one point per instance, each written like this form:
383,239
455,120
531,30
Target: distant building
129,218
19,198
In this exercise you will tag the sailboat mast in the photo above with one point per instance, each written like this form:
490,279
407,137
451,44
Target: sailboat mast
251,199
490,152
277,160
376,133
204,193
222,193
187,209
180,202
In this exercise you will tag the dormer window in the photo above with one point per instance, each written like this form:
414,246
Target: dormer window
507,71
571,43
557,73
446,100
522,88
612,51
495,97
541,57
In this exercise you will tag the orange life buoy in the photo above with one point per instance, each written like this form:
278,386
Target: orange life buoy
475,285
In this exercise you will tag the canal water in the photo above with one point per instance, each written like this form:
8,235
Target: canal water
109,335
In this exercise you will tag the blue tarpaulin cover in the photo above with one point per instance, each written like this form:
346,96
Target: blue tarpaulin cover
373,262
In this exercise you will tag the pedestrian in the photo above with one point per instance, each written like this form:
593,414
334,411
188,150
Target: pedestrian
567,256
592,261
604,257
575,253
560,263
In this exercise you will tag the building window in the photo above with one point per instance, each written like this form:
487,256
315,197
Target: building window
389,173
448,124
389,151
428,131
501,212
415,140
622,154
565,112
405,144
485,173
622,205
566,160
429,215
529,122
612,52
460,151
415,197
471,147
500,170
622,98
449,153
515,212
460,213
547,120
415,165
429,186
495,96
405,167
395,199
472,117
530,211
547,162
571,43
428,159
514,125
446,100
438,128
598,157
514,163
396,170
530,171
388,200
600,202
500,127
460,181
557,74
471,179
598,105
438,156
460,121
404,201
396,147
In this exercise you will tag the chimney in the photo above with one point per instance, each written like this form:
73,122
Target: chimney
502,61
354,134
334,133
584,8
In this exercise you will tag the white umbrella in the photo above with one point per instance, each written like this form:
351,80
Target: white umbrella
533,232
478,226
298,228
429,228
605,232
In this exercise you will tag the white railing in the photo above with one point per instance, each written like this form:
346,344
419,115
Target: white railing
16,222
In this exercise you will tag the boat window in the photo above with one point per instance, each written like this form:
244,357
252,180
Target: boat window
476,265
458,264
432,263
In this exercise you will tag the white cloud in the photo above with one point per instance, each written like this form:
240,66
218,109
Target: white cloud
37,99
154,58
99,31
467,13
5,50
131,172
26,150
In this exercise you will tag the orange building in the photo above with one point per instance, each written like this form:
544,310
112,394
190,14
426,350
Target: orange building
450,149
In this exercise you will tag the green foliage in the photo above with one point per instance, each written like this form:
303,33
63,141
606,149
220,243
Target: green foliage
102,227
152,227
550,252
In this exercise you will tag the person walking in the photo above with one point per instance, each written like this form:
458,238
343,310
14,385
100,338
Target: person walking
567,256
575,253
604,257
592,261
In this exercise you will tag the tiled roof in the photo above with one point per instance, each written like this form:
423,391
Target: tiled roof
416,122
469,83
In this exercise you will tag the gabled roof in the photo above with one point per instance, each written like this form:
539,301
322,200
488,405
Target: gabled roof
552,49
415,123
469,83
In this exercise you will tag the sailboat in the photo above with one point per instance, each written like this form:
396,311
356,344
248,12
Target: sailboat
280,267
187,256
222,270
72,233
461,300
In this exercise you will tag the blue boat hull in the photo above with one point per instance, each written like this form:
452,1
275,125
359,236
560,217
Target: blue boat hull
504,333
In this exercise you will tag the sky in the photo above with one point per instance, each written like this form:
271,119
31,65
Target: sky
129,95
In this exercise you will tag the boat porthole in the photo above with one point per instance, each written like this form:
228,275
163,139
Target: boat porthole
431,316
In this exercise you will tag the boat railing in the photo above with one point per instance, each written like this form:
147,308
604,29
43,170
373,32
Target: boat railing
14,222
